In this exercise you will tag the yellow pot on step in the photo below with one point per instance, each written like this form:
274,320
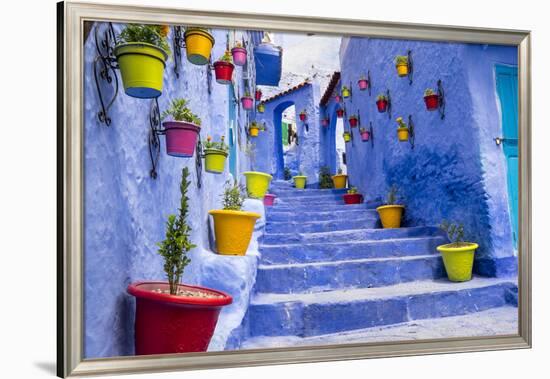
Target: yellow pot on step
403,134
390,215
233,230
402,69
458,260
198,45
339,181
300,181
257,183
214,160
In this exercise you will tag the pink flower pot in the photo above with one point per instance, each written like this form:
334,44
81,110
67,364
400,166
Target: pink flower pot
365,136
363,84
239,55
269,199
337,98
248,102
181,138
303,116
353,198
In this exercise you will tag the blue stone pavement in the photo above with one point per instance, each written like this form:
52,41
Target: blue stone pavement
327,268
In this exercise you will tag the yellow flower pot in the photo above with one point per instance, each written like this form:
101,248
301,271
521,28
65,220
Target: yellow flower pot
458,260
390,215
300,181
339,181
254,131
403,134
347,137
198,45
142,69
257,183
214,160
402,69
233,230
345,93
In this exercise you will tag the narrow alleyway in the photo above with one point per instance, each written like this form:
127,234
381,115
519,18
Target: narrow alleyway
329,269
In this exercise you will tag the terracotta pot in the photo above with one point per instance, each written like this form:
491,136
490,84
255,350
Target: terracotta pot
382,105
432,102
224,72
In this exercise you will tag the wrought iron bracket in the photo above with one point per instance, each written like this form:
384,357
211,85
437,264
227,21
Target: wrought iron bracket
369,83
410,67
411,132
441,99
198,161
388,111
178,44
371,135
154,139
104,68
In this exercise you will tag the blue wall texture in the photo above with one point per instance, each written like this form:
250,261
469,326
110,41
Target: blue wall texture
126,210
455,170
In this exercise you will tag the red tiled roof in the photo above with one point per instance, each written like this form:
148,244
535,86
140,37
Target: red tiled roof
330,89
296,87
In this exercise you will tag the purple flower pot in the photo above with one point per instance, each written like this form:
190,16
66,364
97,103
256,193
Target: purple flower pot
269,199
248,102
181,138
365,136
239,55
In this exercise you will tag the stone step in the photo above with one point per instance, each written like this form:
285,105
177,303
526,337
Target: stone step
286,193
312,213
348,235
366,221
358,273
340,251
319,313
316,199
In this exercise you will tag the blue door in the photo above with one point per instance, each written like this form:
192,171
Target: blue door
507,89
232,132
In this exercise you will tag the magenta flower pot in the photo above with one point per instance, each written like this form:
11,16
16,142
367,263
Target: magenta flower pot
181,138
239,55
363,84
247,102
365,136
269,199
337,98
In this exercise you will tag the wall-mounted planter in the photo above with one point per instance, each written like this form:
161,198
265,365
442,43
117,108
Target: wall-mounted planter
257,183
303,116
198,45
254,130
406,133
224,72
365,135
353,120
233,230
363,84
346,92
300,181
142,69
390,215
403,134
247,102
402,65
353,198
458,261
214,160
382,105
261,108
269,199
258,95
432,102
339,181
169,324
181,138
337,98
324,122
346,136
239,55
340,113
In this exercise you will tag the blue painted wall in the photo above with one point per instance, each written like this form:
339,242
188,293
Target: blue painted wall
455,170
126,210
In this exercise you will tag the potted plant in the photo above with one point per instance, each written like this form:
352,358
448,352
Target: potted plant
141,53
402,130
325,121
254,129
382,103
325,181
431,99
257,183
353,120
391,213
303,115
346,136
172,317
346,92
261,108
458,256
300,180
352,197
402,65
198,45
269,199
247,101
340,112
215,154
339,180
182,129
223,69
363,83
239,54
258,95
365,134
337,98
233,227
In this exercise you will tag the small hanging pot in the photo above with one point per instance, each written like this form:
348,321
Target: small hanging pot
346,92
258,95
363,84
340,113
353,120
247,102
432,102
403,134
382,105
239,55
347,136
303,116
337,98
261,108
223,71
365,135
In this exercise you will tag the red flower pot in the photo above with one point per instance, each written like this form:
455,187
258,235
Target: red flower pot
363,84
353,122
269,199
365,136
239,55
223,71
382,105
353,198
432,102
248,102
167,324
337,98
340,113
324,122
258,95
181,138
303,116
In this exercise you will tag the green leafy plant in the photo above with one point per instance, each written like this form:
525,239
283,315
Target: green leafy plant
429,92
401,59
391,198
353,116
287,173
400,123
352,190
325,180
152,34
233,196
226,57
247,94
177,240
179,111
363,77
221,145
455,232
255,124
363,130
381,97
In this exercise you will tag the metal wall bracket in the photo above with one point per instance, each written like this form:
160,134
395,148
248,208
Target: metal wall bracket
104,67
410,67
154,139
178,43
369,82
389,109
441,99
411,132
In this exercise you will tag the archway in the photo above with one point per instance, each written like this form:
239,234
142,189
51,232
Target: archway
336,147
281,114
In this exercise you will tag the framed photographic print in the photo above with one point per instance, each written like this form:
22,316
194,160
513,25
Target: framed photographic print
249,189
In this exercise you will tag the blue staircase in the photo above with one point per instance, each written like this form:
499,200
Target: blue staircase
328,268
